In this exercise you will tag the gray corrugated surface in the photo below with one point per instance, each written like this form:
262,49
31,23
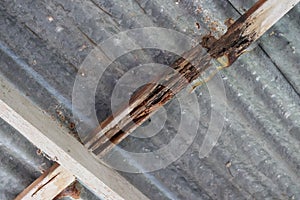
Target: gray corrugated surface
19,163
261,133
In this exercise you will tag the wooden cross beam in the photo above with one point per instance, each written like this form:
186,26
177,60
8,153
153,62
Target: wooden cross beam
240,35
49,185
56,142
76,161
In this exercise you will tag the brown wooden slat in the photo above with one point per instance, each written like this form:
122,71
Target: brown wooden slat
240,35
48,185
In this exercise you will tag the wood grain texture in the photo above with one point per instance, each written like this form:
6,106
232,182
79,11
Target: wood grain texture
48,185
54,140
248,28
147,100
240,35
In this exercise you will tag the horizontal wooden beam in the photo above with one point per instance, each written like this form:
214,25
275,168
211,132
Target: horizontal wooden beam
48,185
55,141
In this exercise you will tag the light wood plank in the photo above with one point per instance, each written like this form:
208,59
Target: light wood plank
247,29
265,13
54,140
48,185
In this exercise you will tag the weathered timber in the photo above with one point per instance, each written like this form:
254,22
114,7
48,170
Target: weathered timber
240,35
147,100
48,185
56,142
248,28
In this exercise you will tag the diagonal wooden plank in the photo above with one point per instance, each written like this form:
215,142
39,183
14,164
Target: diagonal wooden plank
248,28
55,141
239,36
230,46
48,185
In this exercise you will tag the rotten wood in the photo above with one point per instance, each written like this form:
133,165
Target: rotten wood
248,28
147,100
71,191
48,185
190,66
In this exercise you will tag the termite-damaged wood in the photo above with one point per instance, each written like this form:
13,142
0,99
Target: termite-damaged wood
71,191
248,28
147,100
150,98
49,184
54,183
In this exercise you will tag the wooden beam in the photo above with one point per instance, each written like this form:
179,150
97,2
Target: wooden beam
248,28
55,141
226,50
48,185
147,100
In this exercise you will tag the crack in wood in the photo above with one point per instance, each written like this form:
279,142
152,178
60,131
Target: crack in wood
42,186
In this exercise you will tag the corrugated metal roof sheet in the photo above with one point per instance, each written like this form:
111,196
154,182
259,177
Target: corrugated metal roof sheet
261,134
20,165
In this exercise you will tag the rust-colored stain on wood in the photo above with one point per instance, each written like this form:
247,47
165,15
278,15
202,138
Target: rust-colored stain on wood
149,98
240,35
70,191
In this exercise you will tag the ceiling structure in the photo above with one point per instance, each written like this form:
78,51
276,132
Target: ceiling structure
43,45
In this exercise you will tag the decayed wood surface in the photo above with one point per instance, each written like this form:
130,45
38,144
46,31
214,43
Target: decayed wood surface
55,141
49,185
147,100
231,45
248,28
